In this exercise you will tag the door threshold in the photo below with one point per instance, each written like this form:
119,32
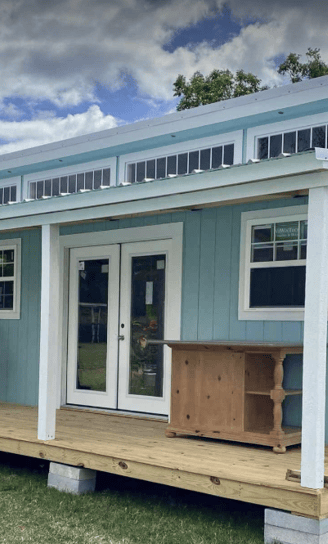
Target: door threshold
119,413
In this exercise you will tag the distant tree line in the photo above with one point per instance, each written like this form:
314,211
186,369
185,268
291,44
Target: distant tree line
223,84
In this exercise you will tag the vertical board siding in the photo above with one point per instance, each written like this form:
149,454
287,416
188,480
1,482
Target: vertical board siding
206,274
20,337
222,263
191,279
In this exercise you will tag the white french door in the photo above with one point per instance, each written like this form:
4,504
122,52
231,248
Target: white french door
120,294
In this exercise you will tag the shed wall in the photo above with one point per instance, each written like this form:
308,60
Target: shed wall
209,296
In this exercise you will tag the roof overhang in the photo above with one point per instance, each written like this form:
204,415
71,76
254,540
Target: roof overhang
263,180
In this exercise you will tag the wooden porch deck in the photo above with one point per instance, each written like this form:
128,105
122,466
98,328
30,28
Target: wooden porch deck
138,448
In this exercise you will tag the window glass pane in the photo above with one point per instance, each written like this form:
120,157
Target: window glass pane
97,179
8,270
262,253
228,154
13,193
160,168
55,187
89,180
47,187
172,164
286,251
262,233
151,169
63,184
6,296
72,184
106,177
290,142
80,182
287,231
303,250
141,171
277,287
1,263
263,148
131,173
1,195
8,256
319,137
275,145
205,159
303,230
303,140
182,163
39,189
33,190
193,161
216,157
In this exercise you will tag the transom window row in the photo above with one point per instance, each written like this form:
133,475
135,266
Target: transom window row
183,163
8,194
285,241
70,184
292,142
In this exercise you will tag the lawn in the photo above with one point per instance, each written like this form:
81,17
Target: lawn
122,511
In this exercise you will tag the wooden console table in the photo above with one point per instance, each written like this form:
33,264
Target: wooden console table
231,391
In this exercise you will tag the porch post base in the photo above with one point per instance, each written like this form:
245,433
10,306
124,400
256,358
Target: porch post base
70,479
290,529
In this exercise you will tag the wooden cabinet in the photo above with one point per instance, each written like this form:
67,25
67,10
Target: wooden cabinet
231,391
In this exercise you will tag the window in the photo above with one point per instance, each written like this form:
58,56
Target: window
292,142
8,194
69,184
273,261
10,258
181,164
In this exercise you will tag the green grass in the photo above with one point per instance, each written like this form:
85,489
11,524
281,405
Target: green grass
122,511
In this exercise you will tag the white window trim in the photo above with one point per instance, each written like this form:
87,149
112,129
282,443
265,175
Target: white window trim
70,170
253,134
235,138
248,219
15,244
8,182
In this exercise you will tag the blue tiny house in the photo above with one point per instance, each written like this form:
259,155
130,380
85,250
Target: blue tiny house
208,225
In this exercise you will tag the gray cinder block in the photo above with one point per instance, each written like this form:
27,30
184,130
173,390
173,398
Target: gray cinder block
71,479
283,528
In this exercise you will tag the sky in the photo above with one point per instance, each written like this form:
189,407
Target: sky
72,67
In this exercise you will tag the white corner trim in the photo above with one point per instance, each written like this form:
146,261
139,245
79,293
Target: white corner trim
248,219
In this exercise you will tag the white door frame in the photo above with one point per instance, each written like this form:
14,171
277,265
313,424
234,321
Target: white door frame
169,231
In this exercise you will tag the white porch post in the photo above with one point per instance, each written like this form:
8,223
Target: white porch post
315,341
49,352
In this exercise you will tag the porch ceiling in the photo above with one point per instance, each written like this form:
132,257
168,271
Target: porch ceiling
138,448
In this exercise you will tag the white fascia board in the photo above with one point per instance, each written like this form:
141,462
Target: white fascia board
260,190
245,106
272,171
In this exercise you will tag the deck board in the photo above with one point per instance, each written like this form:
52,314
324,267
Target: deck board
138,448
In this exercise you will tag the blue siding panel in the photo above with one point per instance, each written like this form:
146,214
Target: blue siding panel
206,274
190,279
221,313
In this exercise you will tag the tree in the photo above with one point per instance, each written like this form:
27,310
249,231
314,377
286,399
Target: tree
312,68
218,85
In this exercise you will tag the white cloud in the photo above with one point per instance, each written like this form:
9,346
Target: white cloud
58,50
42,130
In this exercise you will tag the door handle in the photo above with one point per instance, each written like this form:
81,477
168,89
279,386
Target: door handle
120,337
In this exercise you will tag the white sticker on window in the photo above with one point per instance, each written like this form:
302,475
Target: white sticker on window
149,292
81,265
160,265
104,268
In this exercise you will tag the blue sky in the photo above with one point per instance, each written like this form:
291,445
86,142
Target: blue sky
70,67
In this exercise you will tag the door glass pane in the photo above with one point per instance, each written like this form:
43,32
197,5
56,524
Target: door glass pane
147,321
92,324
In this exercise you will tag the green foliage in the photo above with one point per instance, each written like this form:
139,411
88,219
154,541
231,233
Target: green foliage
297,71
122,511
218,85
